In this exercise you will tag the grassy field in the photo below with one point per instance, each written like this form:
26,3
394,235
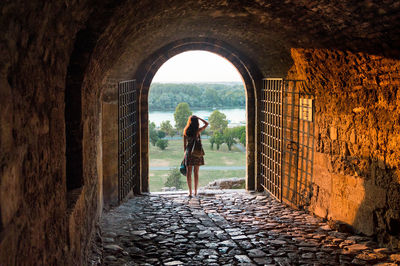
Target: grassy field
173,155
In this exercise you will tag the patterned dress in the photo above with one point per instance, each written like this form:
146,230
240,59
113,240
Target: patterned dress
192,160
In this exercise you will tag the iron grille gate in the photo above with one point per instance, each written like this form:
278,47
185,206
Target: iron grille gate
127,138
271,136
287,141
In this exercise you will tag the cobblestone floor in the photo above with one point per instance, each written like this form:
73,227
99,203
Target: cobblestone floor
228,229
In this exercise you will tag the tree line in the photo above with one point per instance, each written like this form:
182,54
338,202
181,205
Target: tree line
164,96
218,130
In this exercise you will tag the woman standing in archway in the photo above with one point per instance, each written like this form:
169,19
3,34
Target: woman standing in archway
191,137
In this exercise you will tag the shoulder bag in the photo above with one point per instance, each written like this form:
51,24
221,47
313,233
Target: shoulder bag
197,149
182,168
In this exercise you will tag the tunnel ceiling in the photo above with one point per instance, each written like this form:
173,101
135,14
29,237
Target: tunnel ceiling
263,30
125,33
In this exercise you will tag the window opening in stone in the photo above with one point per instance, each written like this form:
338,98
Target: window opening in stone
73,128
209,86
73,146
74,157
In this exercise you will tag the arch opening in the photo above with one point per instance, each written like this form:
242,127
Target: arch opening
207,84
250,76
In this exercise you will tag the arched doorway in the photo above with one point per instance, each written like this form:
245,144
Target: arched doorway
206,85
250,74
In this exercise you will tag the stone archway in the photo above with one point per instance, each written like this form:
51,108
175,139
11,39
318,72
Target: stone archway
250,75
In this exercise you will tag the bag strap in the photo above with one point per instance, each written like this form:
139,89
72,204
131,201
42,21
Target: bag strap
194,143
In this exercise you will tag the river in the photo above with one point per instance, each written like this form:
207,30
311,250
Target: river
235,116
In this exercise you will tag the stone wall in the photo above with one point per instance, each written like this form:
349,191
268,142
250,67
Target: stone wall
32,167
357,121
37,225
227,183
110,142
50,51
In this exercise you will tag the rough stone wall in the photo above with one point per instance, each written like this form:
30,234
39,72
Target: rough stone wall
36,44
357,121
265,30
110,142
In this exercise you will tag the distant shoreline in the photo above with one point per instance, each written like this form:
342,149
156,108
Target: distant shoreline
235,116
199,108
166,96
200,82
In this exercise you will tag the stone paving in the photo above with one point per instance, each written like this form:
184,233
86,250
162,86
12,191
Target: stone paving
228,229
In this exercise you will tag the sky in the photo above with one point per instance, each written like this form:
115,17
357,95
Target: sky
197,66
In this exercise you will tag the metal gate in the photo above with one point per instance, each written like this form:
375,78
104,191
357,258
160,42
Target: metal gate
128,148
271,136
287,141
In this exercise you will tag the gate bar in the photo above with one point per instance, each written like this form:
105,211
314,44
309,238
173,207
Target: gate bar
127,137
271,136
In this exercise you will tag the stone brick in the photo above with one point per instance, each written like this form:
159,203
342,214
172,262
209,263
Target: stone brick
333,133
353,137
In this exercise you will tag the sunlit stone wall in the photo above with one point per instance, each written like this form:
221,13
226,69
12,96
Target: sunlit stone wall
357,121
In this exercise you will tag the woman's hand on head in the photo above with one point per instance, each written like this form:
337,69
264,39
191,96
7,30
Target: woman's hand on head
202,120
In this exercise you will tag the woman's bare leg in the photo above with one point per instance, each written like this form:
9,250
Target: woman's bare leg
196,178
189,178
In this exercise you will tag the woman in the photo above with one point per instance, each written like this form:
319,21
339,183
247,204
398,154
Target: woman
190,134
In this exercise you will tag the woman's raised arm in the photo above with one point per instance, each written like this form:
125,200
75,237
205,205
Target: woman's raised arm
205,124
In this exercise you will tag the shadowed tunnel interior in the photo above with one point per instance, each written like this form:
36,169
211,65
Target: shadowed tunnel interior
60,64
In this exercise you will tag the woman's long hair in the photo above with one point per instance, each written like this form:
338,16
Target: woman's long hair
192,126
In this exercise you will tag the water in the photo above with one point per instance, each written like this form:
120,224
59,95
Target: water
235,116
213,168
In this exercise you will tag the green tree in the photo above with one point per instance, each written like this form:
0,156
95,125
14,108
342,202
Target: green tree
217,121
211,97
181,115
153,135
165,96
174,179
162,144
206,132
161,134
219,139
212,141
229,138
243,139
238,131
167,128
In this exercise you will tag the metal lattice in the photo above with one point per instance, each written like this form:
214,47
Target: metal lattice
127,138
271,136
287,141
298,135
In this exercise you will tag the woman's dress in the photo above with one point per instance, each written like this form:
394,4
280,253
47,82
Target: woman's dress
192,160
